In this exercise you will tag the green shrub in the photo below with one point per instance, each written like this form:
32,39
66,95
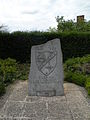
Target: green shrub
76,78
77,64
87,85
68,76
79,79
2,88
23,71
85,59
8,70
72,64
76,71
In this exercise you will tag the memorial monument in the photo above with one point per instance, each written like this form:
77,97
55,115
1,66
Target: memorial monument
46,70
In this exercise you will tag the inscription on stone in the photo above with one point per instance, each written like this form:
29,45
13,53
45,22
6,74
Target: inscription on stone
46,72
46,93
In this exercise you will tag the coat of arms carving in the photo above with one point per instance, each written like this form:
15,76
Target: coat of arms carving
46,59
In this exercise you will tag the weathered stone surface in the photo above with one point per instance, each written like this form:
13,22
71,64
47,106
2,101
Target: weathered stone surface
46,73
58,118
10,118
35,110
33,118
12,109
33,98
72,106
61,110
78,105
19,94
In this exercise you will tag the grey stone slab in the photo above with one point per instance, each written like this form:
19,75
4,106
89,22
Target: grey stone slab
35,110
4,98
58,118
54,98
33,99
33,118
72,106
10,118
59,109
46,72
80,113
76,97
24,118
19,94
71,87
81,118
12,109
78,105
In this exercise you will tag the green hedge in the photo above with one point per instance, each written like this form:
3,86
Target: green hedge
18,45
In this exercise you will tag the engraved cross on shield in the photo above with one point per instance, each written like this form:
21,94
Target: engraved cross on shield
46,61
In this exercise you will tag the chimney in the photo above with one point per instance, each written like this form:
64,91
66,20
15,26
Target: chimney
80,18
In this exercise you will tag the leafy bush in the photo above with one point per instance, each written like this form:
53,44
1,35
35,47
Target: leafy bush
85,59
76,71
87,85
7,73
2,88
11,70
77,64
76,78
72,64
8,70
23,71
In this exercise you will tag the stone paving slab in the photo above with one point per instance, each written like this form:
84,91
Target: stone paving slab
78,105
72,106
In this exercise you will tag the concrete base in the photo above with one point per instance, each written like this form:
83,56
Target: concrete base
19,106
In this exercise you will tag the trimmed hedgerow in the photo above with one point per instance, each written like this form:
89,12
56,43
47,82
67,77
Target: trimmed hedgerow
18,45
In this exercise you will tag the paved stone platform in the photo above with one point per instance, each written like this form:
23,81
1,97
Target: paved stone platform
17,105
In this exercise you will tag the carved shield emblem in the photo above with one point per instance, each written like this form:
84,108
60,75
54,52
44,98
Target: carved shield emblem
46,61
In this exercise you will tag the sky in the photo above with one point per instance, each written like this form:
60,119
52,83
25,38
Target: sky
32,15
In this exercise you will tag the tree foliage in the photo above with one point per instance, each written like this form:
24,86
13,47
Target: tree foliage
71,25
3,28
52,29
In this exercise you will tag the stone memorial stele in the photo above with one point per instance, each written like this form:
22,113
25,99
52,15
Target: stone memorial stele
46,71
